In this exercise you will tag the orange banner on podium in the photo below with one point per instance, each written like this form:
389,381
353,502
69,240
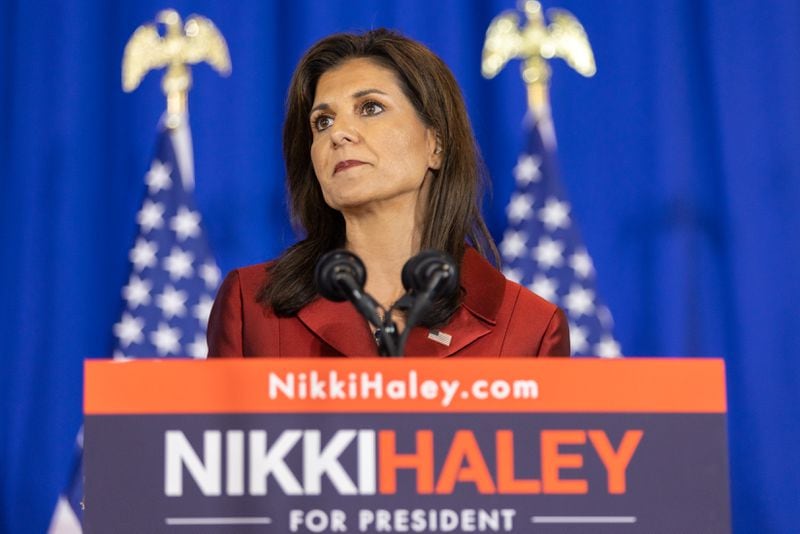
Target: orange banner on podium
418,385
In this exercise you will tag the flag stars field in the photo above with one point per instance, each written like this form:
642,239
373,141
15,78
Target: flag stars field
170,291
542,248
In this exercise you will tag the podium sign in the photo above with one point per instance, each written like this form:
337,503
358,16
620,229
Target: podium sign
406,445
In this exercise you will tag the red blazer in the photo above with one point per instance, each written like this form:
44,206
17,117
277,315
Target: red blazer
496,318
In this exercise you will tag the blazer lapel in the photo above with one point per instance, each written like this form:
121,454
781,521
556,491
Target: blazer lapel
339,325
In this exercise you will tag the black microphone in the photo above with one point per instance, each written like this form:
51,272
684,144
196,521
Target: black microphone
432,273
340,275
429,275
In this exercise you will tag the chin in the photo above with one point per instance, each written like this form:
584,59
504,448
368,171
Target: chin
351,197
358,198
347,203
351,207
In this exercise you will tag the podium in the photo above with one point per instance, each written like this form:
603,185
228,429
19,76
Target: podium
406,445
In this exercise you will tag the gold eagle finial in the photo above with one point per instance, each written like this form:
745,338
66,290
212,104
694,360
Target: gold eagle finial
196,41
535,43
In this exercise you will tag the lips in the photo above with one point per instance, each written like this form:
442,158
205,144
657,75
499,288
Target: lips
347,164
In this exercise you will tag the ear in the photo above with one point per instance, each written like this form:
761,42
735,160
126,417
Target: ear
436,152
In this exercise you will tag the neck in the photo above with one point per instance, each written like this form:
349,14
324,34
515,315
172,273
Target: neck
384,241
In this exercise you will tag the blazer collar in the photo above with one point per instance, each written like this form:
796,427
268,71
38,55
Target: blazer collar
339,324
484,286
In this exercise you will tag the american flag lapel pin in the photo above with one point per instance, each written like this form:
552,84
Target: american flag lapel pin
440,337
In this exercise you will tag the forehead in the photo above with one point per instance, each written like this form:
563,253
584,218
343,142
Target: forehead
354,75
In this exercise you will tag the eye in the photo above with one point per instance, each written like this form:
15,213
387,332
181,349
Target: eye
370,107
321,122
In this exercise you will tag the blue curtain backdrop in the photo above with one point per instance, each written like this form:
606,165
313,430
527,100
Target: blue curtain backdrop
681,157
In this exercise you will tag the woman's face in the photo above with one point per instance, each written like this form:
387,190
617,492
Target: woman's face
369,148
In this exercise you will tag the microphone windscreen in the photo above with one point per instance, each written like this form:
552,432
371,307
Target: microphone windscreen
419,270
330,270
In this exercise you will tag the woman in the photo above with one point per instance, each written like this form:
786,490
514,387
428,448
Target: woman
380,160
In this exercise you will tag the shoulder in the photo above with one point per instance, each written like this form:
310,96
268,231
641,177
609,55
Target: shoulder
532,317
487,290
239,291
248,280
528,322
237,314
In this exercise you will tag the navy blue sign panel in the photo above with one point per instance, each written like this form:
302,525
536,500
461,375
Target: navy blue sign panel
454,468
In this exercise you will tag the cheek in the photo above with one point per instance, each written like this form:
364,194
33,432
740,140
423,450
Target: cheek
316,158
325,196
418,157
409,146
316,165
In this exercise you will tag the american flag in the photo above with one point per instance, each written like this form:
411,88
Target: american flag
171,286
174,277
542,247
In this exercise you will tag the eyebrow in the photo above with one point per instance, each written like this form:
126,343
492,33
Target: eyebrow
357,94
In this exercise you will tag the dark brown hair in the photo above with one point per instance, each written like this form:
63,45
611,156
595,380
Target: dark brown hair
453,212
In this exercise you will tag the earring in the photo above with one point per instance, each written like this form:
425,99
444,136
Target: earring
438,150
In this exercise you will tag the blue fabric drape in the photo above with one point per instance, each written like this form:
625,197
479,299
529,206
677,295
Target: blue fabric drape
680,157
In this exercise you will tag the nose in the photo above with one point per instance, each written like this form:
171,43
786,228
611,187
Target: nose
343,132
